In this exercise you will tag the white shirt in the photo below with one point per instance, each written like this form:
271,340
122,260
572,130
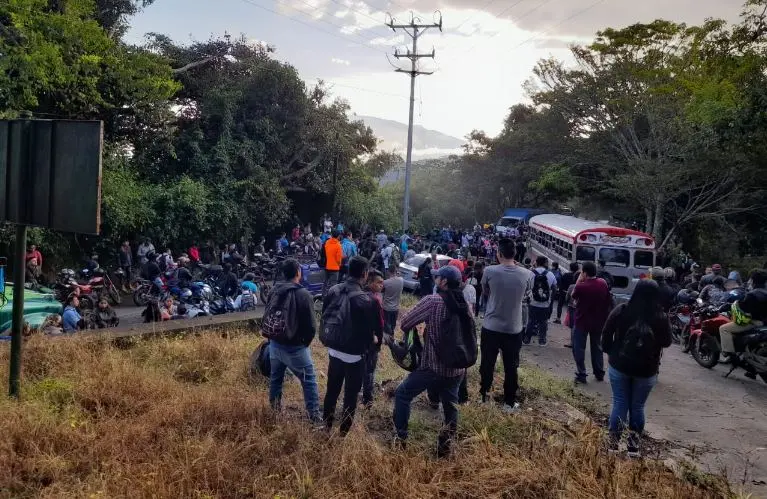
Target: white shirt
346,358
470,294
328,225
386,255
552,284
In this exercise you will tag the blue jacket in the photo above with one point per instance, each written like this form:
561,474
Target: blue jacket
349,248
69,319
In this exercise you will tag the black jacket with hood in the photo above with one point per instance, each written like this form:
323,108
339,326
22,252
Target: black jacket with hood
300,308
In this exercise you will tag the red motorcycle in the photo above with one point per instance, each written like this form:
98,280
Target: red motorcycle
705,340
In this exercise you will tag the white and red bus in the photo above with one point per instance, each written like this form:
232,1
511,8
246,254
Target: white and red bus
627,254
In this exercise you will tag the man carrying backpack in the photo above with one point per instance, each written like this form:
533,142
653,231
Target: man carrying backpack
351,327
544,288
450,346
289,325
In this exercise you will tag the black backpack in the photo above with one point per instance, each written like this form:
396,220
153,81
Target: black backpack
637,349
322,258
248,302
274,325
541,288
260,362
407,353
336,328
458,341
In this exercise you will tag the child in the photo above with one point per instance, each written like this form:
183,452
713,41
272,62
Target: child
52,325
169,310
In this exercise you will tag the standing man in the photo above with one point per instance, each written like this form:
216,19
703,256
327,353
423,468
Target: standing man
375,286
544,288
433,374
349,249
292,352
144,249
593,302
382,240
333,258
360,324
125,257
504,287
567,280
392,294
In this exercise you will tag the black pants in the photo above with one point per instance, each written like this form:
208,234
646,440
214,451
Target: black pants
350,377
561,298
331,279
368,383
509,345
390,321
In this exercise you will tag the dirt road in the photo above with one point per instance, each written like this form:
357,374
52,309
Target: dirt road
720,422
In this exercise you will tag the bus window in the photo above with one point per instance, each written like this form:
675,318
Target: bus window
585,254
615,257
643,259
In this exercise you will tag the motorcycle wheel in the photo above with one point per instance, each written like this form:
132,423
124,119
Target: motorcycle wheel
706,351
114,295
140,297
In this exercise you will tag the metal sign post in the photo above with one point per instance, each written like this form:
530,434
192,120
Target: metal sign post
50,176
17,326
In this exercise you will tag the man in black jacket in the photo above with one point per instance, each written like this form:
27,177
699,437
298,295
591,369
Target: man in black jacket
346,366
294,354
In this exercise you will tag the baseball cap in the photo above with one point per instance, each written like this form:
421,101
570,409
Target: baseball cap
657,273
450,273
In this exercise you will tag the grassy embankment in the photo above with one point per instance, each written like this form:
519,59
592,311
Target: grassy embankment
180,418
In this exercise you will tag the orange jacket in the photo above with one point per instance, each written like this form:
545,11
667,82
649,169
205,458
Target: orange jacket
333,254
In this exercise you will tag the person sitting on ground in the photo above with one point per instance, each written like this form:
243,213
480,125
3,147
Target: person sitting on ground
169,310
52,326
246,300
249,282
71,318
634,336
106,315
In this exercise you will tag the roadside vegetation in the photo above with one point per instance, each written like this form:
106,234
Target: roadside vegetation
180,417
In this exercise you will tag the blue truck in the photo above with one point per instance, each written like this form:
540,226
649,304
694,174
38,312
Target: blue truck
512,217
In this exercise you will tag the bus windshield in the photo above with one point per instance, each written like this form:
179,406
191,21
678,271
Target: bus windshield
615,257
585,254
643,259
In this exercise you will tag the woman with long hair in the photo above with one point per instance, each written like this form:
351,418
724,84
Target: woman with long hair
634,336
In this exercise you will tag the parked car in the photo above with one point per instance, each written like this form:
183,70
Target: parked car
408,269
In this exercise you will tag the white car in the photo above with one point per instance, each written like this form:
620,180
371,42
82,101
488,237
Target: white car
408,269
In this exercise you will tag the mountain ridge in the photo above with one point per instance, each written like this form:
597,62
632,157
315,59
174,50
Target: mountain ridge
426,142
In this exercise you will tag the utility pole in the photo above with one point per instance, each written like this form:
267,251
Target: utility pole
414,30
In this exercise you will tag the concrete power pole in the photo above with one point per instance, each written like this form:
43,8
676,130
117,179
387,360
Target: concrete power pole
414,30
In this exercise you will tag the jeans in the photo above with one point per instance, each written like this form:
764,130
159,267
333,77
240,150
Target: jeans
571,314
343,273
350,377
331,279
579,353
390,321
538,323
415,383
629,396
509,345
299,360
561,298
368,383
432,393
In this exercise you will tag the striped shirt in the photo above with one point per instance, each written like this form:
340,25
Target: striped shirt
431,310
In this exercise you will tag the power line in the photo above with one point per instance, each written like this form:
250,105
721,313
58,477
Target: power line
312,26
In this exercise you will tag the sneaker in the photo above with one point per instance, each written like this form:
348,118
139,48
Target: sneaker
633,452
543,343
568,345
599,378
580,381
485,399
508,409
434,405
557,321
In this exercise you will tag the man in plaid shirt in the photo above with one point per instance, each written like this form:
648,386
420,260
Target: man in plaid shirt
432,310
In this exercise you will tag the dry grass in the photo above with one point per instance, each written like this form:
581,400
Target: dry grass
179,418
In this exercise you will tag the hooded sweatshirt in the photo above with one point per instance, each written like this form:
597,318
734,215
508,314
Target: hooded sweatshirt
300,308
334,254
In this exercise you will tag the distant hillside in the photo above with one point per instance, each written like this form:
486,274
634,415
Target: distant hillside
426,143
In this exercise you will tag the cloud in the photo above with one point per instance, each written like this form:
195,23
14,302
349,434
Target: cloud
391,41
342,62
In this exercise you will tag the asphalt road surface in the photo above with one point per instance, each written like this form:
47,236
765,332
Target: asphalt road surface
721,422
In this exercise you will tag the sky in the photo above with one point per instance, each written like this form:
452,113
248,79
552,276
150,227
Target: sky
484,53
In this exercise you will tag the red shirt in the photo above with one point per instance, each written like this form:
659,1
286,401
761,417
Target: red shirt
194,254
36,255
593,303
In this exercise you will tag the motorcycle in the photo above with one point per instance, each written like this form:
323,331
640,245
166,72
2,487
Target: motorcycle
705,340
102,285
679,317
751,353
